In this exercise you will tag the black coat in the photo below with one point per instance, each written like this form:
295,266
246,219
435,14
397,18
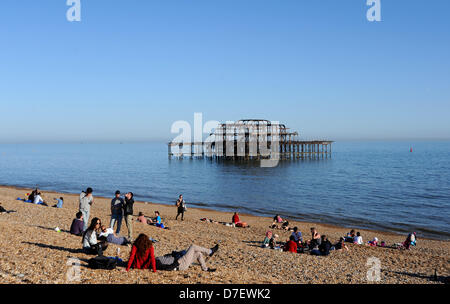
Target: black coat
128,207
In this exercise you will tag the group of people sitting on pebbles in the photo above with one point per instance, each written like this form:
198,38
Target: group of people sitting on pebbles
36,197
142,255
96,237
319,244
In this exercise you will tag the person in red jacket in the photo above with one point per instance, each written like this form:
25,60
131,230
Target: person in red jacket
237,222
235,218
291,245
142,254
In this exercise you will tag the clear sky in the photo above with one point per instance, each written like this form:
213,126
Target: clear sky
131,68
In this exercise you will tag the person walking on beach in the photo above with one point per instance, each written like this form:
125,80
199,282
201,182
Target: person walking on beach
86,200
128,213
181,206
117,206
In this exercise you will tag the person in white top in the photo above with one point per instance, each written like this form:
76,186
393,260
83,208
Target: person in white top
38,200
91,245
358,239
109,235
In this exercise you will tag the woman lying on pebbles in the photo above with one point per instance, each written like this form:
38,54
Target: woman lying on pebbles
109,235
142,256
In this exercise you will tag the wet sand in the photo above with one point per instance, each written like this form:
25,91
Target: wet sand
31,251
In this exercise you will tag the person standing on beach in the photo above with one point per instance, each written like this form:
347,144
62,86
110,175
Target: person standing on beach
180,207
86,200
128,213
117,206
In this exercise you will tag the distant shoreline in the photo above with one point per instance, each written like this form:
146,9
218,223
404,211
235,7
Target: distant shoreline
267,218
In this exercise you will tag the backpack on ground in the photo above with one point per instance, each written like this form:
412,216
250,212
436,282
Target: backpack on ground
102,262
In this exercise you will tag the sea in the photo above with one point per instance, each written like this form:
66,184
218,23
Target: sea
394,186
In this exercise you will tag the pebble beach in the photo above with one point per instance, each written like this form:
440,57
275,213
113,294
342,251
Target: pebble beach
32,252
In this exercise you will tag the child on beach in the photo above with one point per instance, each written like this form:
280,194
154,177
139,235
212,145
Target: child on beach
60,202
267,239
350,236
373,243
157,221
410,241
340,245
77,224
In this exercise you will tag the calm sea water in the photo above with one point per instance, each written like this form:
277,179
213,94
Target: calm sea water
377,185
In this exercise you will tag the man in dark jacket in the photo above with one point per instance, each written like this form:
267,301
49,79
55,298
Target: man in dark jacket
128,213
325,246
117,204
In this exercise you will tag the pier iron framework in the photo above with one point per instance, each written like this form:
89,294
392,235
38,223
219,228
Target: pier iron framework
251,139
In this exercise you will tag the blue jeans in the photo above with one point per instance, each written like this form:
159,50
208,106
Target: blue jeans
116,240
118,218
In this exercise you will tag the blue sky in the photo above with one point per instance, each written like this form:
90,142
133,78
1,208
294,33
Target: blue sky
131,68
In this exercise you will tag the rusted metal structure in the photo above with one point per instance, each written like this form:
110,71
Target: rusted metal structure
252,139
